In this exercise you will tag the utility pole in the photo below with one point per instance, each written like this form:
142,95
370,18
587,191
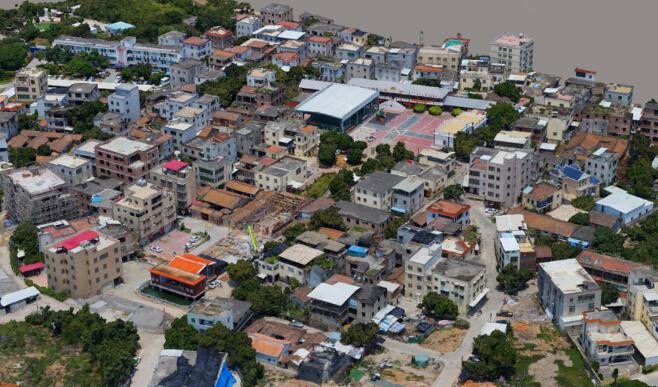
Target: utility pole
420,41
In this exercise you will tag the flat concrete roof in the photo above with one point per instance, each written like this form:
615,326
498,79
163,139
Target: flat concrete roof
69,161
36,181
125,146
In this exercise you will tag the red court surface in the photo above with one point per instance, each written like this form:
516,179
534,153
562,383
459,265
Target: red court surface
415,130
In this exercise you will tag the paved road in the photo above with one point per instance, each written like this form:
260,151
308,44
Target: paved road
215,232
151,345
409,349
452,361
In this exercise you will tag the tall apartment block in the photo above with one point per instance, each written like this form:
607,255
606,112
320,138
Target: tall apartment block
125,101
30,84
37,195
514,51
125,159
146,209
178,177
83,265
499,176
274,13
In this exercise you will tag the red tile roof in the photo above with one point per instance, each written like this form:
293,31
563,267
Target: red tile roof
175,165
542,191
607,263
319,39
447,207
76,240
30,267
195,41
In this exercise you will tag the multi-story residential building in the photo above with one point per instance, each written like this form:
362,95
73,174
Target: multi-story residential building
407,196
512,139
439,56
619,94
37,195
298,47
293,264
80,93
602,165
186,124
298,139
8,124
220,58
146,209
259,97
125,159
178,177
247,25
514,51
642,297
499,176
444,161
74,170
516,249
287,172
219,37
542,197
376,190
30,84
606,268
184,72
213,172
125,101
376,53
475,81
231,313
627,208
124,52
274,13
340,301
196,48
463,282
406,56
320,46
175,102
171,38
83,265
422,71
649,121
447,209
348,51
358,215
574,182
390,71
534,125
598,119
566,291
359,68
603,339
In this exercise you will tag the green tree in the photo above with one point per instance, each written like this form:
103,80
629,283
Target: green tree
419,108
585,203
609,293
369,166
44,150
327,154
360,334
13,54
435,110
509,90
228,87
497,357
563,250
608,242
181,335
453,192
292,232
439,306
401,153
328,217
354,156
241,271
267,300
581,218
510,278
391,230
501,116
81,117
21,157
640,177
340,185
456,111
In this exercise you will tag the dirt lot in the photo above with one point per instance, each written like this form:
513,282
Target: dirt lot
444,340
402,372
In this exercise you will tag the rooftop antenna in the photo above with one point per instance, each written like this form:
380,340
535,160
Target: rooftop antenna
421,38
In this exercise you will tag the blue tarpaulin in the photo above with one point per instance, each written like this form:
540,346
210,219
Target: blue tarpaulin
357,251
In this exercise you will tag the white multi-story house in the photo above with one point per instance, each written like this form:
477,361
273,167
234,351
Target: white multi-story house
439,56
125,101
196,48
74,170
320,46
514,51
376,190
499,176
603,339
348,51
463,282
287,172
566,290
602,165
359,68
247,25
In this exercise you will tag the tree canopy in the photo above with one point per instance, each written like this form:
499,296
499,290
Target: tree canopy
13,54
452,192
609,293
439,306
509,90
328,217
497,357
510,278
359,334
580,218
340,185
585,203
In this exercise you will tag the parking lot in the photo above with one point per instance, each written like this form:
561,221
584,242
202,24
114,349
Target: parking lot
168,246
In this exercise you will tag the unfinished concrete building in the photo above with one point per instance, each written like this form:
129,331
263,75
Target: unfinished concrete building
37,195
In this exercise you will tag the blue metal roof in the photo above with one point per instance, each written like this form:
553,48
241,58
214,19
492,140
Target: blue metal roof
572,172
120,26
357,251
594,180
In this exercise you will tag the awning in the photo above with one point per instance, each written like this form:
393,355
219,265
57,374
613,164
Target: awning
262,276
399,210
479,298
295,184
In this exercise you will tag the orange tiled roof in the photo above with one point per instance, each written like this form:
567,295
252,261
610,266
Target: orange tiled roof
286,56
319,39
189,263
195,40
267,345
448,207
606,262
546,223
274,149
178,275
542,191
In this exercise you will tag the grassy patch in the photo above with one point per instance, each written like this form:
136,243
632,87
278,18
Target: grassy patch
359,229
356,375
521,376
320,186
173,298
575,375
